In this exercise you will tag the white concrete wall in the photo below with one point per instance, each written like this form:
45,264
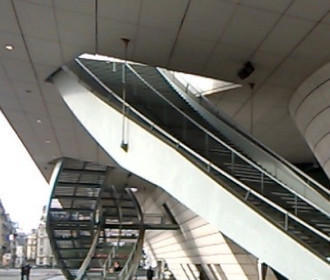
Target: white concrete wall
188,183
197,242
310,109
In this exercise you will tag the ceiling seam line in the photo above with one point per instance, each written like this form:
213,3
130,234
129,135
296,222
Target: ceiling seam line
63,61
252,55
96,23
314,146
246,101
58,33
310,122
255,51
178,33
35,75
137,32
221,95
325,162
25,113
259,86
218,41
293,49
302,101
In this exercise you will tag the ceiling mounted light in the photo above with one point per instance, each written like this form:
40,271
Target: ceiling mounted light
9,47
39,121
47,142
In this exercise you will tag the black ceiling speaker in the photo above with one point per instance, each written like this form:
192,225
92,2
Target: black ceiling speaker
246,71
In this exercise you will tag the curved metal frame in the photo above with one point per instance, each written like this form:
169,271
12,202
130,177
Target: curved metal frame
97,217
53,181
83,268
131,265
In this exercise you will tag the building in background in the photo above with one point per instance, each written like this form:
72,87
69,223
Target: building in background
21,239
44,254
6,228
18,248
31,246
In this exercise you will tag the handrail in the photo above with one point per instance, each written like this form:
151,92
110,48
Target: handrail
232,150
185,90
179,144
108,261
281,159
82,270
120,212
187,86
98,220
131,263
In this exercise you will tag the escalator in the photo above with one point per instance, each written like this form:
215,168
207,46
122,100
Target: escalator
156,127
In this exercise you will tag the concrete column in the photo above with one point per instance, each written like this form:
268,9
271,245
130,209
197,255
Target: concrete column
262,270
310,109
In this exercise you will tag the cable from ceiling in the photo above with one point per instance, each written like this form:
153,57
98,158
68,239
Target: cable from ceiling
124,139
96,8
178,33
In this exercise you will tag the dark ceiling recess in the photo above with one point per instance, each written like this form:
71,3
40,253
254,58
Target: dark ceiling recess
246,71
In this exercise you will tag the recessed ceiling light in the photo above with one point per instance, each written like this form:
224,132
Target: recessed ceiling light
47,141
39,121
9,47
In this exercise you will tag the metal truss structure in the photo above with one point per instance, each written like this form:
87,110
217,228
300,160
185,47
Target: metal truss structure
96,228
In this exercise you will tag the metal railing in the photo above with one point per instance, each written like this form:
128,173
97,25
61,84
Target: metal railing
208,166
234,153
59,219
191,93
132,262
98,221
53,181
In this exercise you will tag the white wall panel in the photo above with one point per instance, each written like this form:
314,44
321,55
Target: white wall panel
197,242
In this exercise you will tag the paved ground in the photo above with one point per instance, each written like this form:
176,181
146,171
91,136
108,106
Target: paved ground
36,274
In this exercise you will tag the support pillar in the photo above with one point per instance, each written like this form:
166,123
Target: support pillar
262,270
310,109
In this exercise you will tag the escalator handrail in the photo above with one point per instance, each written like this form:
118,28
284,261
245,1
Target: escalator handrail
232,150
268,152
179,144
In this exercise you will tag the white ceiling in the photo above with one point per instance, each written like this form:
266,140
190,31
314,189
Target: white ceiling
285,39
